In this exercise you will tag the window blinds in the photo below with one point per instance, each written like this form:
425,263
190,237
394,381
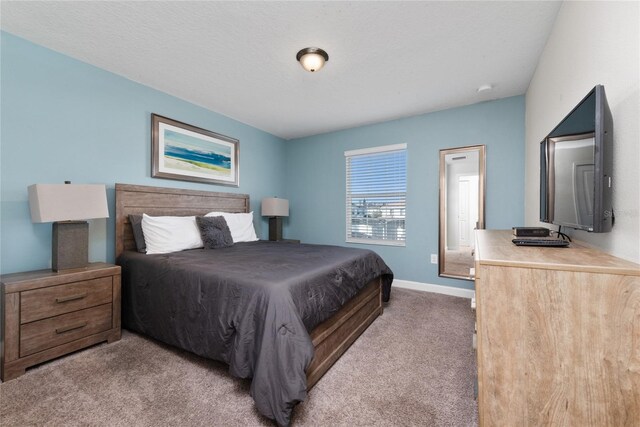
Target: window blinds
376,195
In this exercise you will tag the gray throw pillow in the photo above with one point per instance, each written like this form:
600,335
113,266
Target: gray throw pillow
214,231
138,235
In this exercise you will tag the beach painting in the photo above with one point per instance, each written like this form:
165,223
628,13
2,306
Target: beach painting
185,152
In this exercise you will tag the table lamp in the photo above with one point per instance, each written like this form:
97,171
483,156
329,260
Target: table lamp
68,206
275,209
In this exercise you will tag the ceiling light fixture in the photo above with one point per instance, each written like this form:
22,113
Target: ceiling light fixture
312,58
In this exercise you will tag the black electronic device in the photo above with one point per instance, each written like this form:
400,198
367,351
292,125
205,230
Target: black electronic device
554,243
530,232
576,167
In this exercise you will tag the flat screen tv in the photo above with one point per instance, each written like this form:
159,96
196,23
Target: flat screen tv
575,167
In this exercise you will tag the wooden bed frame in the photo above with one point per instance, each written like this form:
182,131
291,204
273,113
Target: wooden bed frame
330,339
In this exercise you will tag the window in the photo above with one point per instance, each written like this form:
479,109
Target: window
376,195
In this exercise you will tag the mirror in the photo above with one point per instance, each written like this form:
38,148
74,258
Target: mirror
462,181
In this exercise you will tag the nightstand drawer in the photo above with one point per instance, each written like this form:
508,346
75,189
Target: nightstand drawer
55,300
47,333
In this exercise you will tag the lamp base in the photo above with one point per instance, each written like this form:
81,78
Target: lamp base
275,228
70,245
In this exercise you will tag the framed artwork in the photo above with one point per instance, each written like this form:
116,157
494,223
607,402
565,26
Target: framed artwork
184,152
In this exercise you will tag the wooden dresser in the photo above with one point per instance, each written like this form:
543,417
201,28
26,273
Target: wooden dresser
558,335
47,314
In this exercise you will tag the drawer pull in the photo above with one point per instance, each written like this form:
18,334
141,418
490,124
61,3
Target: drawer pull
71,298
70,328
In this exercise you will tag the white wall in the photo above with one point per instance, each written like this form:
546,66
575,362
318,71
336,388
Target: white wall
592,43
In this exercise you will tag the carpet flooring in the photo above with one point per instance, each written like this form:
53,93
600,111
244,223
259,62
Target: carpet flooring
459,261
413,366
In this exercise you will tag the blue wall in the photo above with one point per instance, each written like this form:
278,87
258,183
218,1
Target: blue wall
63,119
316,179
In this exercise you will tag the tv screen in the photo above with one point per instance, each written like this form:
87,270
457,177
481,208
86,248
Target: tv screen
575,168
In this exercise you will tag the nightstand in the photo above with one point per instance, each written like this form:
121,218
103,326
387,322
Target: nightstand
47,314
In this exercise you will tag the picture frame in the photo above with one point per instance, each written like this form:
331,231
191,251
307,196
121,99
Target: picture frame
188,153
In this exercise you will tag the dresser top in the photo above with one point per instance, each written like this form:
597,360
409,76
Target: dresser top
494,247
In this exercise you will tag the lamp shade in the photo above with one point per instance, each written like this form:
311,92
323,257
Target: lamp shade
272,206
312,62
67,202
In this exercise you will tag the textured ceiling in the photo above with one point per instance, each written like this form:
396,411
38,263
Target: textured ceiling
386,59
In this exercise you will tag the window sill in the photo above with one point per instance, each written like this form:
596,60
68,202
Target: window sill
399,243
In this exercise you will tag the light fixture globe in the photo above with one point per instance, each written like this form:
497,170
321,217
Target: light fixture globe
312,58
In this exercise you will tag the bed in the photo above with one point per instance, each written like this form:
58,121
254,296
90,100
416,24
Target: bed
217,315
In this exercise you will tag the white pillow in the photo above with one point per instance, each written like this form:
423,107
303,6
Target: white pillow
240,224
164,234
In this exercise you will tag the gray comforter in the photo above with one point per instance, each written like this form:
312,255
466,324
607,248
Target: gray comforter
251,305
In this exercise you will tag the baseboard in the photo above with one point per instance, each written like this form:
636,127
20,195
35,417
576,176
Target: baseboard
438,289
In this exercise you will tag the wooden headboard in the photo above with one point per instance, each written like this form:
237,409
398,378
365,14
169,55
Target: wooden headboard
139,199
